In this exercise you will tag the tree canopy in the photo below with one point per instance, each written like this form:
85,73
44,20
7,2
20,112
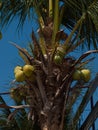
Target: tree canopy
70,11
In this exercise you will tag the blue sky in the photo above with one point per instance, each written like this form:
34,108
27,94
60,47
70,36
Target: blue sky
9,55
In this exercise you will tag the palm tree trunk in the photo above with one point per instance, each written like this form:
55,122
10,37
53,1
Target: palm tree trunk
51,116
52,127
48,126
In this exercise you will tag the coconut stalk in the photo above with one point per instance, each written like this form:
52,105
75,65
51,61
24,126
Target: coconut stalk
50,8
56,21
42,25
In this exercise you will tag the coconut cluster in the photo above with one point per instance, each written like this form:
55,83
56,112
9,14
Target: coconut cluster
83,74
78,74
21,73
18,93
59,55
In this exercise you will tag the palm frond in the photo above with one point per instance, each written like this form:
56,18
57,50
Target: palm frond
93,85
91,118
74,9
17,117
85,55
71,10
22,121
93,12
5,111
23,53
20,9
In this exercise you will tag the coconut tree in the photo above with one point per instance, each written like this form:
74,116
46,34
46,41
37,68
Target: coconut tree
49,83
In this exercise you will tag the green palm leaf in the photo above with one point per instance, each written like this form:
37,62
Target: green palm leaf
70,11
93,12
89,27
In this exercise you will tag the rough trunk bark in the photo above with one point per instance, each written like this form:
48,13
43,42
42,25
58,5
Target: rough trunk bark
46,126
53,127
51,118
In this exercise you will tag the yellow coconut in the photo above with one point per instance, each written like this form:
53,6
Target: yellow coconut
17,68
28,70
19,76
86,74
